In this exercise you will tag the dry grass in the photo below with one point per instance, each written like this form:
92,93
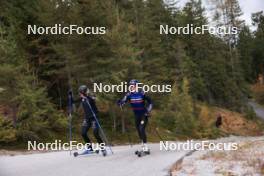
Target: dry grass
258,93
232,122
248,155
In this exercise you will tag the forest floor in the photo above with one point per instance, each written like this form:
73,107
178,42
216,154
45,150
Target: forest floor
247,160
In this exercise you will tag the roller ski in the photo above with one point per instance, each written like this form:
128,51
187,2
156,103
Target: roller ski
143,152
104,152
86,152
89,152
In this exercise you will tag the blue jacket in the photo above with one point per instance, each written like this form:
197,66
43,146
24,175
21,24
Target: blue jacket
138,102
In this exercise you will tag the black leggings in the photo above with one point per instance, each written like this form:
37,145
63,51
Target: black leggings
87,124
141,123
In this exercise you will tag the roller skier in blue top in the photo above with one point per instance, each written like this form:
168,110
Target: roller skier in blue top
137,100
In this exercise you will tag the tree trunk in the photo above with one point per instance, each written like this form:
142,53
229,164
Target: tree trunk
60,99
14,118
123,125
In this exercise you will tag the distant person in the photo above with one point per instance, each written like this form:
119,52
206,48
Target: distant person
137,100
260,79
218,122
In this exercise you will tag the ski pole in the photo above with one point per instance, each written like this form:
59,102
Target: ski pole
157,133
156,130
104,136
128,136
99,126
70,108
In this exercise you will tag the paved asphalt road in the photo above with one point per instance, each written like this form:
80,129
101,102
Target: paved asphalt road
259,110
123,163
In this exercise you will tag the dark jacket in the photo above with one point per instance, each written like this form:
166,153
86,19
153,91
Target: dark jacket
89,107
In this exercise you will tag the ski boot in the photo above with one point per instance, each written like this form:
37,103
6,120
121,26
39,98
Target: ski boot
144,151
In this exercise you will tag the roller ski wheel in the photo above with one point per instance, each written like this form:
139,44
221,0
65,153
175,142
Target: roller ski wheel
104,153
142,153
75,154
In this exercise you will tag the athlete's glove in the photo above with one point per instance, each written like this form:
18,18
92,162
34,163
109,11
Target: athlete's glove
70,93
148,110
120,103
147,114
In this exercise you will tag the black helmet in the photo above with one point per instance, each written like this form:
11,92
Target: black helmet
83,89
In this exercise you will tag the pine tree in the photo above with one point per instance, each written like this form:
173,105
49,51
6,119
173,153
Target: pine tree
257,53
245,44
179,112
32,110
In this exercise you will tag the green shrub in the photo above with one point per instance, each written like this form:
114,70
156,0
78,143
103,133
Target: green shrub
7,131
